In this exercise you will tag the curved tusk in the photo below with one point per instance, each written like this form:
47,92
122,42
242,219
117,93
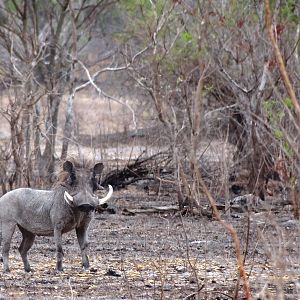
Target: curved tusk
110,192
68,198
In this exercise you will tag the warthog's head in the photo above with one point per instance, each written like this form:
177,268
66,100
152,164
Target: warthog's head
81,183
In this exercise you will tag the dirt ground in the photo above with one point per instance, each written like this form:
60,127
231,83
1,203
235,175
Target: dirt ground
163,256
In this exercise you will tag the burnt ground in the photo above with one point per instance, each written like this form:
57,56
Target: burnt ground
162,255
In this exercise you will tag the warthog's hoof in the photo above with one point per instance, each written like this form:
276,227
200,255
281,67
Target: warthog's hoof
6,270
55,272
29,270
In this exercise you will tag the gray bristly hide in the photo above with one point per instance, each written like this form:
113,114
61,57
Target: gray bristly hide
70,205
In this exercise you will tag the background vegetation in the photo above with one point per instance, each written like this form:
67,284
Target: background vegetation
187,74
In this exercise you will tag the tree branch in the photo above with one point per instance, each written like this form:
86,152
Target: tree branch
91,81
280,62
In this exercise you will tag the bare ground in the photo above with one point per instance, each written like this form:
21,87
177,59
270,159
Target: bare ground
163,256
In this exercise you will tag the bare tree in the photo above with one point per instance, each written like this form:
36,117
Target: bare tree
39,46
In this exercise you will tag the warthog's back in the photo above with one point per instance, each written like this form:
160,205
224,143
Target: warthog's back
29,208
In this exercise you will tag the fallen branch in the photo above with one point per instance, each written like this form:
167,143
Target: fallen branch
140,169
152,209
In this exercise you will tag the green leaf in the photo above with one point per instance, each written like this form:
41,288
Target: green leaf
269,104
10,6
288,149
186,36
278,134
288,102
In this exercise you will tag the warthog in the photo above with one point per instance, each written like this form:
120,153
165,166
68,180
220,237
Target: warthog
70,205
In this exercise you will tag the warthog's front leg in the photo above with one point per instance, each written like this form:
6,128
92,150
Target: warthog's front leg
26,244
59,250
83,244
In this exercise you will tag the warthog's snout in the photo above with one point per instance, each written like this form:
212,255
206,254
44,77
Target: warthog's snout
86,207
80,199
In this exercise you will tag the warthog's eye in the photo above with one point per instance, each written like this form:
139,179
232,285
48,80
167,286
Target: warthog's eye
71,181
73,194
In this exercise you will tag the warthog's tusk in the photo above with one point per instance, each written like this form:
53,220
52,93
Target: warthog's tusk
68,198
110,192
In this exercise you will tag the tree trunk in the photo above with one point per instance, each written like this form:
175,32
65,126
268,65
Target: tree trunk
48,157
68,129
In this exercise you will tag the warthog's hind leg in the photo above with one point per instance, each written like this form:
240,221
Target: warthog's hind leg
8,229
26,244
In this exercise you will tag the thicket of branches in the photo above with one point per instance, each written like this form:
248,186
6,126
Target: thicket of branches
212,69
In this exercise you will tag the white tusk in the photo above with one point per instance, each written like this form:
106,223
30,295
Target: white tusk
110,192
68,198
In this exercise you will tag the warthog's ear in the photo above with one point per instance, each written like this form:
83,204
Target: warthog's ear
98,168
96,178
69,167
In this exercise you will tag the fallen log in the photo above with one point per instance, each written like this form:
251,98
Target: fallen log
151,210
